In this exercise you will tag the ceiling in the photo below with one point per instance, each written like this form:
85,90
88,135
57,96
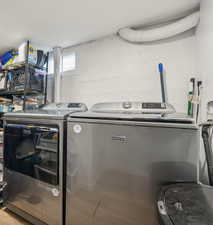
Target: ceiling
69,22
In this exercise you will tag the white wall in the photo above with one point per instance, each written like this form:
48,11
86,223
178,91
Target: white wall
205,51
112,70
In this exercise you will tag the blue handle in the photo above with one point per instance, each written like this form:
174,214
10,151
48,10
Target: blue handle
160,67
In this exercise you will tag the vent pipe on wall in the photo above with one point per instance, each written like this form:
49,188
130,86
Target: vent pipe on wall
58,57
156,34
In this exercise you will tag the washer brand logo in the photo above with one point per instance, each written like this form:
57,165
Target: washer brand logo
119,138
55,192
77,128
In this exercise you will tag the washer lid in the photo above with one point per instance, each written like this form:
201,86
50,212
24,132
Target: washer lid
52,111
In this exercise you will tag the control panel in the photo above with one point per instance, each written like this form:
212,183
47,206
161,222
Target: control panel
134,107
66,106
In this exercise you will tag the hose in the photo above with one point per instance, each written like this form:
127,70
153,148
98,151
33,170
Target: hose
170,30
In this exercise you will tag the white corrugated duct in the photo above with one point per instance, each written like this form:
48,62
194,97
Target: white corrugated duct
170,30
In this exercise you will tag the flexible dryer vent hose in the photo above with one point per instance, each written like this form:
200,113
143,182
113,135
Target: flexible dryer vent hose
156,34
206,130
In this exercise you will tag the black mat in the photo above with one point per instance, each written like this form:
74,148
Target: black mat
187,204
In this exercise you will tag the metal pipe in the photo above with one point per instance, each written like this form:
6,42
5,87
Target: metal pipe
46,79
27,75
57,56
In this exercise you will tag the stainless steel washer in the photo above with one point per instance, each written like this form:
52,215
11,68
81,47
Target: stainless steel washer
118,158
34,162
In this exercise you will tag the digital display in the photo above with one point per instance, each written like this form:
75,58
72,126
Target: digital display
153,105
74,105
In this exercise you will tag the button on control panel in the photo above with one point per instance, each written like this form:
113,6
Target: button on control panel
127,105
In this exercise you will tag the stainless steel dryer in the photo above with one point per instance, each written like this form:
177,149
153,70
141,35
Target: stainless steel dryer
34,161
119,156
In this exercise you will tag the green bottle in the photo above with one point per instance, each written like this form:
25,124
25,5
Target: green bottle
190,97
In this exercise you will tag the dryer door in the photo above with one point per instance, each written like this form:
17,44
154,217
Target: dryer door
32,150
31,169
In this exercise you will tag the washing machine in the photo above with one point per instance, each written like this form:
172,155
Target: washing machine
118,157
35,161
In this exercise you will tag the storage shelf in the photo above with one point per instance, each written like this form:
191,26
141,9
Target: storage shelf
25,67
19,93
16,66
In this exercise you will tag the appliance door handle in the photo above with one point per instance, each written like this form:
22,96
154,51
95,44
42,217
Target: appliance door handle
119,138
